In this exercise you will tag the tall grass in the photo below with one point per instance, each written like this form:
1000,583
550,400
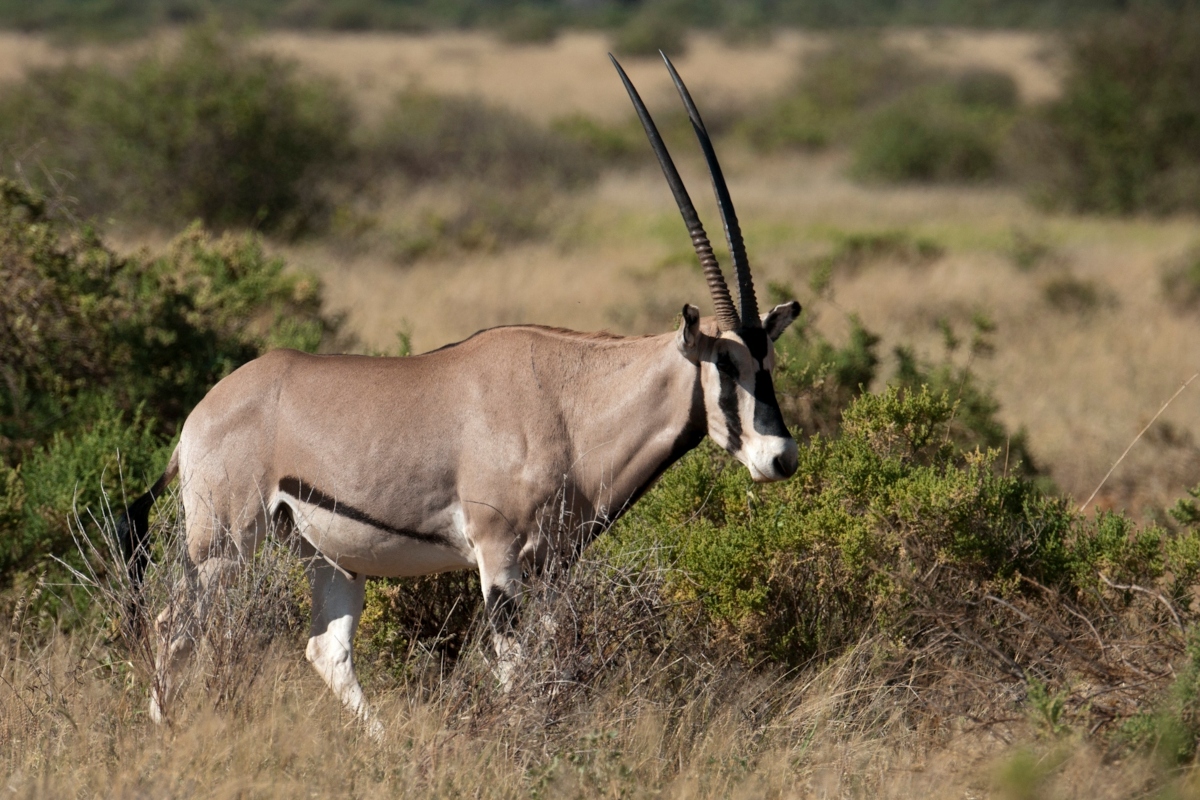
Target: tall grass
624,690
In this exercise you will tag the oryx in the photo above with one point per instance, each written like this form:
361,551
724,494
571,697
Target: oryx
470,456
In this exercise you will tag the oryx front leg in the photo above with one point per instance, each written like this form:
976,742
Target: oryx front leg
500,579
337,604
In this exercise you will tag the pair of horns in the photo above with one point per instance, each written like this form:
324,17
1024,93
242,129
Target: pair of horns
728,319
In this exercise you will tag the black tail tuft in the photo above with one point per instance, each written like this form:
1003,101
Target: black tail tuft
133,529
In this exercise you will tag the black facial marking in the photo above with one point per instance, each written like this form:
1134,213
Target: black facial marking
768,419
757,342
502,609
727,401
306,493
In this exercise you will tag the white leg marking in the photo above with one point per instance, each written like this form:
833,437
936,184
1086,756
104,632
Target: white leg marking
337,606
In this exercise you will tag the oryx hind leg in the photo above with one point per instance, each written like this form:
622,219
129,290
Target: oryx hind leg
180,624
337,605
500,580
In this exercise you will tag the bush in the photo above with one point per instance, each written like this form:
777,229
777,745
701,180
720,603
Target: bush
100,353
905,121
430,137
1125,134
845,549
211,132
1181,280
655,27
928,137
855,74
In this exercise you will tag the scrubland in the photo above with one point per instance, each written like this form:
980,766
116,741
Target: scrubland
921,612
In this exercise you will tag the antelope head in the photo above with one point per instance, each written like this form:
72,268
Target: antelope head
737,356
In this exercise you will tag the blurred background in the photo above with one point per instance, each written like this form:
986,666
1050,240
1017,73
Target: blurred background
997,197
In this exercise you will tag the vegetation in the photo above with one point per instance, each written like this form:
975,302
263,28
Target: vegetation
1123,137
903,121
104,355
211,132
89,17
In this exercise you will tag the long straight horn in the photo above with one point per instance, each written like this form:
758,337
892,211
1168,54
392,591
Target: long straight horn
748,304
727,317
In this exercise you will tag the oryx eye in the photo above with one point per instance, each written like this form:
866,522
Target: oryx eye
726,365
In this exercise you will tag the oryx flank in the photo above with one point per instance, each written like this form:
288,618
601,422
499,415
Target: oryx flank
505,452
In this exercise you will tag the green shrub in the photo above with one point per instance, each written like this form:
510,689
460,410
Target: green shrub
925,137
430,137
653,28
607,143
1074,295
85,472
1124,136
815,381
531,24
986,88
100,354
211,132
158,331
855,74
905,121
1181,280
803,568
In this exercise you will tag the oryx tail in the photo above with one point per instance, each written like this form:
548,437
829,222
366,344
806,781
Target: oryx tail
133,529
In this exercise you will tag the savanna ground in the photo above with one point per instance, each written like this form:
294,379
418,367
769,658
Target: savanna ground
1084,346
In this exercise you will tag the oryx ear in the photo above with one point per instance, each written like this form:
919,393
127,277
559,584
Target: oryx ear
689,331
776,321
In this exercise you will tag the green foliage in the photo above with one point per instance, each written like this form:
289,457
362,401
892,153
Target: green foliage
101,354
433,613
1124,136
656,26
853,249
905,122
132,17
158,331
857,73
1029,249
531,23
975,423
803,568
1172,731
931,136
430,137
815,380
1047,708
1181,280
1074,295
211,131
76,473
607,143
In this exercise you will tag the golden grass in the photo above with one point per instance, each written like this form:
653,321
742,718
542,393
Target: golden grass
73,723
570,74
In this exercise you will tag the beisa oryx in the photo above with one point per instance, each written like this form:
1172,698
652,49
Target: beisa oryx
470,456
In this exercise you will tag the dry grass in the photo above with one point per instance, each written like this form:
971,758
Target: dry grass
619,695
571,74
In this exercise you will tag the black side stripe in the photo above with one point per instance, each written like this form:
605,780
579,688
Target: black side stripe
309,494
